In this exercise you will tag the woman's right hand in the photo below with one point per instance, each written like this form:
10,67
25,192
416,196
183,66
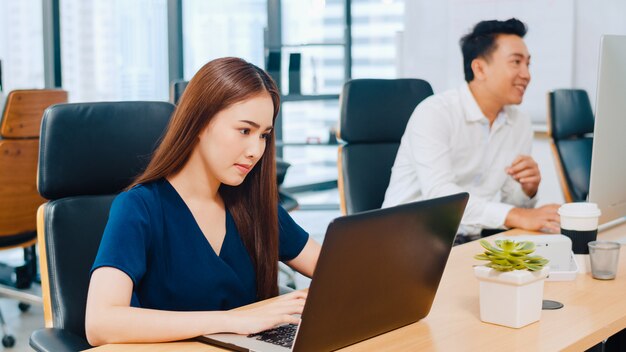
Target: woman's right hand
109,318
279,312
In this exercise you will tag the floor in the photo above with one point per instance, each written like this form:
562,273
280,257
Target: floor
19,324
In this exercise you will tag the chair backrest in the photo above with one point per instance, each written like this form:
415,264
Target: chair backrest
570,124
373,116
24,109
177,88
19,148
89,153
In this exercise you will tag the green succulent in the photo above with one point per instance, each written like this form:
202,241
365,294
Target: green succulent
508,255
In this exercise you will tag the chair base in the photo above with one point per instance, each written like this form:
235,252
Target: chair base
22,276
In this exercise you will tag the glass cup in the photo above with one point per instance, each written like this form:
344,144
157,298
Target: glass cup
604,257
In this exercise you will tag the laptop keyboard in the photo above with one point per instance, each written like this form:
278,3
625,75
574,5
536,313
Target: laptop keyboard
281,336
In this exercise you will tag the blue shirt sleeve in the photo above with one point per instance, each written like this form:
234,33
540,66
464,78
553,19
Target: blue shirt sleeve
125,241
292,237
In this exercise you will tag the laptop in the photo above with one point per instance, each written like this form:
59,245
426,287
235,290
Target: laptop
377,271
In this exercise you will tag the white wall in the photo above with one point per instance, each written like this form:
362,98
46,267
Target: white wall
594,18
563,39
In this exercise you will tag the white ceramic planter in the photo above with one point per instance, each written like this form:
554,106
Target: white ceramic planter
510,298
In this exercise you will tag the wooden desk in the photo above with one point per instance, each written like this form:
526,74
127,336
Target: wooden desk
593,311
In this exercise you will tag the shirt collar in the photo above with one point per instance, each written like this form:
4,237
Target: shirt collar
473,112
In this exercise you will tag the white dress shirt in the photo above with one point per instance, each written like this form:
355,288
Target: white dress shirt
448,147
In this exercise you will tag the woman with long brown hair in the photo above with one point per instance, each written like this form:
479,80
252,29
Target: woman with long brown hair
200,232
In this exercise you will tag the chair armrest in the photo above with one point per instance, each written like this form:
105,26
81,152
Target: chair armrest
287,201
282,290
281,170
57,340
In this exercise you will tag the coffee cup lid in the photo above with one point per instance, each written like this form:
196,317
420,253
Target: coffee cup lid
580,209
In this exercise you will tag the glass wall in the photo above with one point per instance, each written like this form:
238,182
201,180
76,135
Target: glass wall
114,49
215,28
314,29
375,24
21,44
118,50
313,41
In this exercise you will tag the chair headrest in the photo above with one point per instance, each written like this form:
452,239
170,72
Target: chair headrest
97,148
177,89
570,112
377,110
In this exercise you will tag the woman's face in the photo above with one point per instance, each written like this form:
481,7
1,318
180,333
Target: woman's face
235,139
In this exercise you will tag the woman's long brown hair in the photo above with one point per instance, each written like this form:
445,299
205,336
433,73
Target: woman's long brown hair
253,204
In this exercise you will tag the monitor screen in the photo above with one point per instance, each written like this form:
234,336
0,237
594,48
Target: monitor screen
607,185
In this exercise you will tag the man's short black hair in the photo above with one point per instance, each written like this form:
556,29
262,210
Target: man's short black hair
481,41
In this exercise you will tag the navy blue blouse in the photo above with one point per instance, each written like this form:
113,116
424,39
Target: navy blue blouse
152,236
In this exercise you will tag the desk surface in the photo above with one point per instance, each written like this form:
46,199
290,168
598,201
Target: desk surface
593,311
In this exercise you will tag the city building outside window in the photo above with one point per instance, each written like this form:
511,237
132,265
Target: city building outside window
21,45
114,49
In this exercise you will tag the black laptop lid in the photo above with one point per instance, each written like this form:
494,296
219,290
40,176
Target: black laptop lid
378,270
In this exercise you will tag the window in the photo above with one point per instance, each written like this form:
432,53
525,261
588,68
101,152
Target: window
310,111
375,24
319,39
21,44
310,120
114,49
215,28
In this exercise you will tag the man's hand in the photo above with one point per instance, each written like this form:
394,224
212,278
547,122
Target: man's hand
544,218
524,170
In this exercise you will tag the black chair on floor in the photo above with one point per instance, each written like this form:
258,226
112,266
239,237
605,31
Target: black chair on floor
89,153
570,124
373,117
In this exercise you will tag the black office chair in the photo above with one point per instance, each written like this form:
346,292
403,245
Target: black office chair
177,88
89,153
373,117
570,124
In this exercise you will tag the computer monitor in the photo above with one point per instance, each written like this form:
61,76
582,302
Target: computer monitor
607,185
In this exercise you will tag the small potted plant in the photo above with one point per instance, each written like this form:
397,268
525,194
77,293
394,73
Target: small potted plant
511,284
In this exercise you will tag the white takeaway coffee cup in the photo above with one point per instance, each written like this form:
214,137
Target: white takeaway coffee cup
579,222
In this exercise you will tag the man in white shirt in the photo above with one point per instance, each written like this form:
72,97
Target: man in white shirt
472,139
